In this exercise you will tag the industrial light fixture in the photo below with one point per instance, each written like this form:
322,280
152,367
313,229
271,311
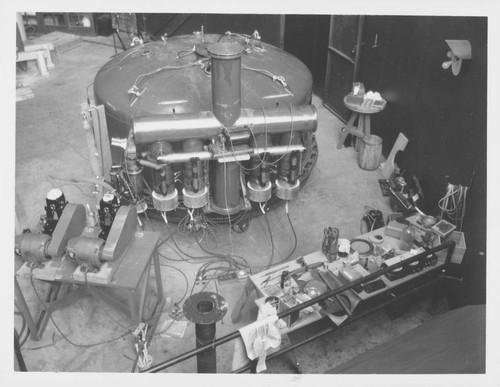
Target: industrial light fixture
460,50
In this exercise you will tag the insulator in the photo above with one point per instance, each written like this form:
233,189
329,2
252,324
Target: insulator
258,194
165,203
193,166
265,174
195,199
294,172
136,181
285,164
196,181
287,191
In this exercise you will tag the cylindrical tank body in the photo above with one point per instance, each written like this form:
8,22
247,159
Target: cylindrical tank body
214,100
184,87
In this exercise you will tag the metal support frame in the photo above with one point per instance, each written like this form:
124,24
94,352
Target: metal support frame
449,246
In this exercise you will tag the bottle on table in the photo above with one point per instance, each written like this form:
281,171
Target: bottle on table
406,239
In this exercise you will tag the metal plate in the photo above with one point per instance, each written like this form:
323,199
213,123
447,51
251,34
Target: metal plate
362,246
315,288
205,308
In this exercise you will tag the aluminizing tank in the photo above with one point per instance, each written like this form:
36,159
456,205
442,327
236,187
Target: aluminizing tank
169,83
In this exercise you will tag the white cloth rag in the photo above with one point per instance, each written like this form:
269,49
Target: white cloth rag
259,337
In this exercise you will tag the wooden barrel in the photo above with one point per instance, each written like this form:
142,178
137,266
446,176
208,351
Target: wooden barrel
370,152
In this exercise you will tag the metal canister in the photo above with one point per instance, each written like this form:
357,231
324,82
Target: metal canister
330,243
286,282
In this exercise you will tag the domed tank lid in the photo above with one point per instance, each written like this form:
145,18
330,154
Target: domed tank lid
225,50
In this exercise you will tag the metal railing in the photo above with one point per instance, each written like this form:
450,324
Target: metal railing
449,245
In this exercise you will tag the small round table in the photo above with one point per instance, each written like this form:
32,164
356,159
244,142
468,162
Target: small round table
361,111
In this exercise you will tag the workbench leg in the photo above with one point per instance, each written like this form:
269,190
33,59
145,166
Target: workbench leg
368,130
160,299
40,58
136,319
347,130
159,286
48,58
361,130
23,308
143,294
238,307
43,319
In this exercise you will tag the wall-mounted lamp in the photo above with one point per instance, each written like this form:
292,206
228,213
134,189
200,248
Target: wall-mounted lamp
460,50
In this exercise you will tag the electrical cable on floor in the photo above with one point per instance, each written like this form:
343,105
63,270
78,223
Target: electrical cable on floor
23,327
185,278
271,257
26,337
232,258
171,259
293,231
97,298
212,256
59,330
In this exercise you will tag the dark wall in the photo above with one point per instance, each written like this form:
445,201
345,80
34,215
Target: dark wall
269,26
444,116
306,37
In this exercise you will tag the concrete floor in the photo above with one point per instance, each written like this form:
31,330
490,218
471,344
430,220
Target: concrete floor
50,140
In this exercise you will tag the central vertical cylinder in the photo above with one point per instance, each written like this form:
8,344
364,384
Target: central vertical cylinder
226,188
226,106
226,81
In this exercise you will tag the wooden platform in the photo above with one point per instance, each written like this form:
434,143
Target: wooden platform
62,42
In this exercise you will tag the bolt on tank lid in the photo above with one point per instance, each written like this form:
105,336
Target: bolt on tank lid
225,50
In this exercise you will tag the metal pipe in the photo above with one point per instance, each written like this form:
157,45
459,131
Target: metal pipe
150,164
206,362
205,309
449,245
206,155
205,125
226,81
332,328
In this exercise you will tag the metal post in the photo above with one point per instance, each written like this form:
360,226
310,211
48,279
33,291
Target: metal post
205,309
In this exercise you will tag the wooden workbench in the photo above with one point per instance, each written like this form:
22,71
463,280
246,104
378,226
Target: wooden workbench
257,282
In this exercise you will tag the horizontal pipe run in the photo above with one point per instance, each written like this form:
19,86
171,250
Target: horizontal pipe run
151,164
184,157
204,125
449,245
